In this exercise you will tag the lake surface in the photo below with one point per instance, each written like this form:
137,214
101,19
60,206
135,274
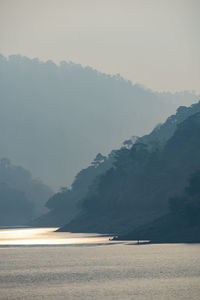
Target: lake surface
43,264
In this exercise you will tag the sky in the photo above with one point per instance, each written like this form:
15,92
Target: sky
152,42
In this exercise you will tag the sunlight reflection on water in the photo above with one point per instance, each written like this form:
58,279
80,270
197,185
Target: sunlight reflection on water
47,236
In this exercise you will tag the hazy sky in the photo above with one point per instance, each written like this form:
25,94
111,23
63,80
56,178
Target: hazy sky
152,42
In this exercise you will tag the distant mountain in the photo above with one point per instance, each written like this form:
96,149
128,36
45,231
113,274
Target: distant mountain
136,190
55,118
22,198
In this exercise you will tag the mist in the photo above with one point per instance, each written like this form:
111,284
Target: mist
54,119
99,149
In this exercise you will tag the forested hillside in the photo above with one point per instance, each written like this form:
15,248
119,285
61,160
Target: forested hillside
137,188
66,204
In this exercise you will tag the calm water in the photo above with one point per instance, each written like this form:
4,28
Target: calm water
41,264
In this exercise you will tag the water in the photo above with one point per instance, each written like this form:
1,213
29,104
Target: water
41,264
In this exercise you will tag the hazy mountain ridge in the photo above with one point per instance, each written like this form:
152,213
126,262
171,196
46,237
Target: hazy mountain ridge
138,188
22,197
71,113
162,132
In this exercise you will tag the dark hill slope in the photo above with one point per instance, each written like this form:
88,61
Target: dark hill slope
137,189
180,225
66,204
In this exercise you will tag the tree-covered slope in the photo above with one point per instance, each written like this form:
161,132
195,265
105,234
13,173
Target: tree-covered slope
138,187
65,204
